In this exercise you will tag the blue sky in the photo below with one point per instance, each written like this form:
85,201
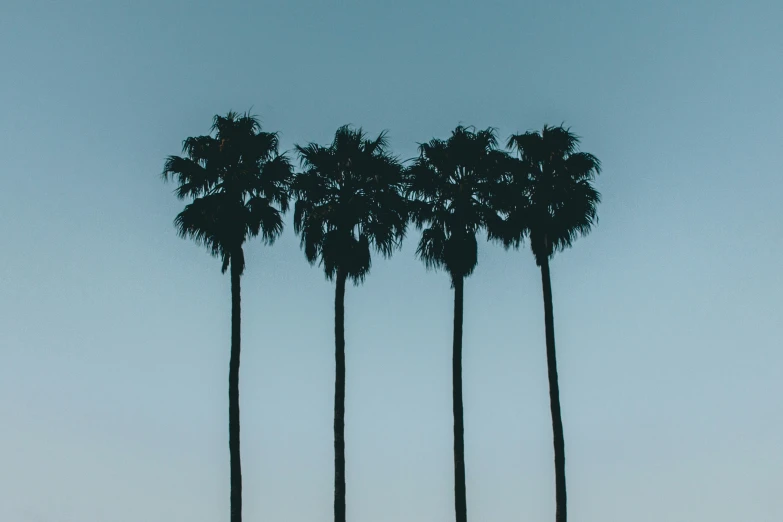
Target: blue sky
114,333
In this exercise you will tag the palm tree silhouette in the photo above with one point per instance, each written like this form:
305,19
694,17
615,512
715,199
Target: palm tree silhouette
451,187
549,197
238,184
349,198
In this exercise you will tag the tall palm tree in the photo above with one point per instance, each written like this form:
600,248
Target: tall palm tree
451,185
238,186
549,197
350,197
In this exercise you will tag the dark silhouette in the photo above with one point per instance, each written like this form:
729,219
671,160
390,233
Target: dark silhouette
550,198
238,183
450,186
349,198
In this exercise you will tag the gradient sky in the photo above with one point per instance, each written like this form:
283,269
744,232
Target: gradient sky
114,333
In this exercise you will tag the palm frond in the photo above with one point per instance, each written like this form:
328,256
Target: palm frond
582,166
431,247
200,148
204,221
276,178
194,180
264,219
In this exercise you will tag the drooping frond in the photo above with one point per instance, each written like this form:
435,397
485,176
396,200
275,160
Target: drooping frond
193,179
263,219
275,181
582,166
207,220
432,246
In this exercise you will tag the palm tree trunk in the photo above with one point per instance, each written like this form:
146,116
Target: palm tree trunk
554,396
339,398
460,500
233,398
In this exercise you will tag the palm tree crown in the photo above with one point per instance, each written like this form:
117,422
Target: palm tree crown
239,185
550,195
451,185
349,197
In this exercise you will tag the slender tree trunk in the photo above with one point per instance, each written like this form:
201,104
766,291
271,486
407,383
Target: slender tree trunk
460,500
233,398
339,398
554,396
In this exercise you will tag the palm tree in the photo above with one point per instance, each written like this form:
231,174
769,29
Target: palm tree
238,186
349,199
550,198
451,187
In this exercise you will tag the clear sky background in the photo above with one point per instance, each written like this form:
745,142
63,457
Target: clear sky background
114,333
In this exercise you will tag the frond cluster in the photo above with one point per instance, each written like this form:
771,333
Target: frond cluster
238,185
550,195
349,199
452,187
